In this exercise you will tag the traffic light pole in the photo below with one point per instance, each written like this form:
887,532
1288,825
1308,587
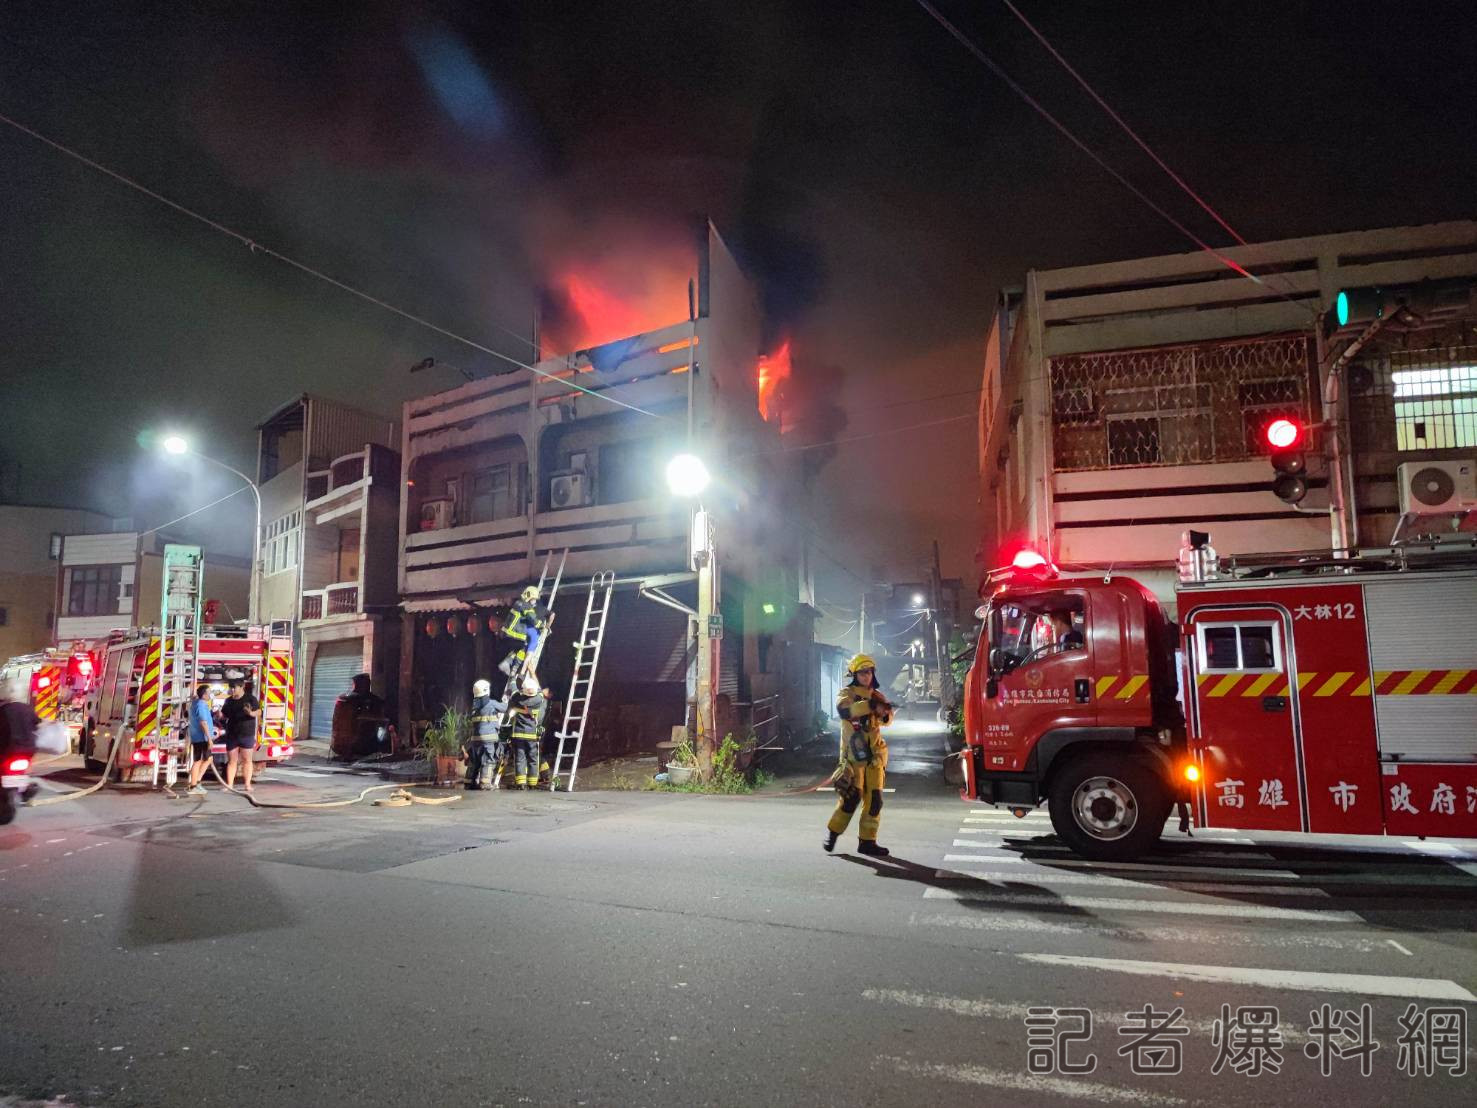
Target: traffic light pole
1331,383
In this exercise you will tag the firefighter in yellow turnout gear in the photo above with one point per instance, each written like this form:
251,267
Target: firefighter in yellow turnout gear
864,711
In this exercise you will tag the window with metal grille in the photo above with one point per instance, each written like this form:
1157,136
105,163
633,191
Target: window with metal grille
491,495
93,590
1176,405
1435,409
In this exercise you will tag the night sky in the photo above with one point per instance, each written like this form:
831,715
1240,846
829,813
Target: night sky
879,183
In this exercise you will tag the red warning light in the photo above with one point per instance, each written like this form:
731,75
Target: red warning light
1028,559
1283,434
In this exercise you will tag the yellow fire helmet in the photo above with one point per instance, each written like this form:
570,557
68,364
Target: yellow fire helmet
530,593
860,662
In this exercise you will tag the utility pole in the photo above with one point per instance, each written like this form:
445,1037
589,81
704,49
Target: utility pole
709,640
946,671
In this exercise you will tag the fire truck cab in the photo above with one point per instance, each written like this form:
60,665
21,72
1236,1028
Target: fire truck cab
127,704
1294,693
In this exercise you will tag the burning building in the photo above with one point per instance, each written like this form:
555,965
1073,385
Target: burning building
502,472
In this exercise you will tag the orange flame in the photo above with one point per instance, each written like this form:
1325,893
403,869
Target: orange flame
774,370
614,298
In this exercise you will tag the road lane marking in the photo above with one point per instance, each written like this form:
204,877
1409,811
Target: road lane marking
1049,878
1123,904
998,1010
1430,877
1400,948
1418,988
1029,1082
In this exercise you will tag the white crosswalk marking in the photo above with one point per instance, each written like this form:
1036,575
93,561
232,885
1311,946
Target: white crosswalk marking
1046,877
1124,904
1160,933
1030,1083
1419,988
991,1009
1134,867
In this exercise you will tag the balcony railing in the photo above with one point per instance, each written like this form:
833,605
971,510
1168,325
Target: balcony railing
343,600
335,600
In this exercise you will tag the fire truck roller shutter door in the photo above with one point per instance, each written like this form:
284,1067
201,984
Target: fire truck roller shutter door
334,667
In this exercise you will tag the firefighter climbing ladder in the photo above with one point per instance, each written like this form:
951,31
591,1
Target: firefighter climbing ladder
178,657
530,664
582,685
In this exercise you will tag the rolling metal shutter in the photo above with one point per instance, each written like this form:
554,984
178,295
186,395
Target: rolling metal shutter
334,667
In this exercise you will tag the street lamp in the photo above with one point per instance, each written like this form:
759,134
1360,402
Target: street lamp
177,444
917,600
687,478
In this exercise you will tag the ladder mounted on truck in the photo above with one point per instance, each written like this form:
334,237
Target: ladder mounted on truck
179,657
582,684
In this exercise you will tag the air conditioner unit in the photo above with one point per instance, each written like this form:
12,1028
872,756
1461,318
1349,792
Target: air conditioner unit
437,514
1437,486
569,490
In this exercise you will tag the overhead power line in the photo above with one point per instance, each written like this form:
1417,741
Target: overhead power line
257,248
989,63
1118,119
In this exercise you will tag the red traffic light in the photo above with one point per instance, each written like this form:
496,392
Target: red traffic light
1283,434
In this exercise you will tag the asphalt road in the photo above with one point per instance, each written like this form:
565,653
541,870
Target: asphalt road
640,948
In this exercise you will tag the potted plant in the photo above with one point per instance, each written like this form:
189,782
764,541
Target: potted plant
442,745
683,763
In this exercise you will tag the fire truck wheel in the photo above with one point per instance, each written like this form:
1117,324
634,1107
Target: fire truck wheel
1107,807
89,763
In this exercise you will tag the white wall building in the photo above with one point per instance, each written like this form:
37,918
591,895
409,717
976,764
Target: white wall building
330,489
501,471
114,580
1124,403
30,548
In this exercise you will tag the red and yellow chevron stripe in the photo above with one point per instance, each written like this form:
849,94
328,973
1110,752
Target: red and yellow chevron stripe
1127,689
148,692
1341,683
48,699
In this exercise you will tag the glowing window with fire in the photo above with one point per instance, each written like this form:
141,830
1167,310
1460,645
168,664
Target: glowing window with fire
1238,648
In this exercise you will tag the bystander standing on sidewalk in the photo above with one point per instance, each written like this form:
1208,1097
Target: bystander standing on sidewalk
240,713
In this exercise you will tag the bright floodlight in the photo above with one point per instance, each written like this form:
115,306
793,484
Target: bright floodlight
687,476
175,445
917,600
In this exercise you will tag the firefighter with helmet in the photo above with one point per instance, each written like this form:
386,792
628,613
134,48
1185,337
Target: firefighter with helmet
527,707
525,625
486,719
864,711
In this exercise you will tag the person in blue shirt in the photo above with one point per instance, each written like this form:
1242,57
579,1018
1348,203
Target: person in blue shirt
202,733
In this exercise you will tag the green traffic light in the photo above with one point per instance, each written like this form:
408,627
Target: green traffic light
1341,309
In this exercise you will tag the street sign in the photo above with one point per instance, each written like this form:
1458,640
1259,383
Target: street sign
715,626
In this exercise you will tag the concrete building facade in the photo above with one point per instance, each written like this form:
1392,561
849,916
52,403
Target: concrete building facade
30,549
504,472
1123,403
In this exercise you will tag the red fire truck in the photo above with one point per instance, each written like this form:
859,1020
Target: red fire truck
127,702
59,679
1292,693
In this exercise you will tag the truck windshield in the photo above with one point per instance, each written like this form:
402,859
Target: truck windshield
1025,629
